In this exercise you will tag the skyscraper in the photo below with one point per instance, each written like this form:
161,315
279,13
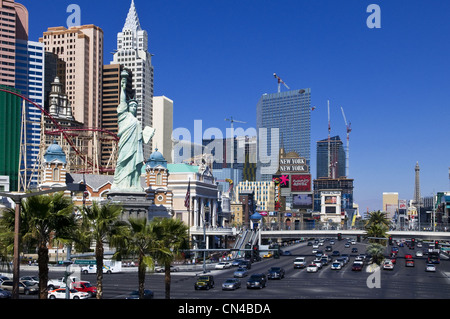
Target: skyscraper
163,125
132,52
29,79
337,158
290,112
80,62
14,22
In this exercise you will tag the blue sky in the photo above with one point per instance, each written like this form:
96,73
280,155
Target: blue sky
215,58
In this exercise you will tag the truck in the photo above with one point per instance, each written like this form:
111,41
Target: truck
109,267
60,283
85,286
300,262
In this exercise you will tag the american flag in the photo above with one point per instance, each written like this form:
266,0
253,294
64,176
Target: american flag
187,199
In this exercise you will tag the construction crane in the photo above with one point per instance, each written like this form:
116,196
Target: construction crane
279,82
329,140
347,125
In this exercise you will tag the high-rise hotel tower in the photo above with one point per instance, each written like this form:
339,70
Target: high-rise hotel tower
290,112
132,52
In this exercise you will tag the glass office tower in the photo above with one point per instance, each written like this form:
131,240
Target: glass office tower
290,112
30,77
337,158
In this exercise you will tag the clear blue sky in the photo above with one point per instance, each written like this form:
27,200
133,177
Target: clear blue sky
215,58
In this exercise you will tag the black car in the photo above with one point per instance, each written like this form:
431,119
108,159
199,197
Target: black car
204,282
257,281
276,273
148,294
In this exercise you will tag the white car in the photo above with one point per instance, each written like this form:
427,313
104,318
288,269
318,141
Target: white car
223,265
312,268
60,293
419,253
430,267
388,265
336,265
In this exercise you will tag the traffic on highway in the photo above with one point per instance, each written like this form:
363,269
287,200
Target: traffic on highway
314,268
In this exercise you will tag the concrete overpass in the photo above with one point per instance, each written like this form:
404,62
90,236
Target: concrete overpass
396,234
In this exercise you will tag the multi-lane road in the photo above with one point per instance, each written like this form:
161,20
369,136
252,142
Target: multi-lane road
400,283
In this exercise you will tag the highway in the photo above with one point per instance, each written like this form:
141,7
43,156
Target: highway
400,283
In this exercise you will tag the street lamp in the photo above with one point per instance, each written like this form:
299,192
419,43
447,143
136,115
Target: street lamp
17,198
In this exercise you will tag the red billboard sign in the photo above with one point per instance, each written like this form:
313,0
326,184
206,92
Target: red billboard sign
301,183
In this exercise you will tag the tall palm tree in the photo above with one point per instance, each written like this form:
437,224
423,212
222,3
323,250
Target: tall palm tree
101,224
172,234
141,241
43,218
378,217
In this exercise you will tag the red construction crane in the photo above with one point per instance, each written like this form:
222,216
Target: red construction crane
279,82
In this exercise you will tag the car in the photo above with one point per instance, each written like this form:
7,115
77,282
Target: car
268,255
419,253
25,287
357,266
394,260
430,267
163,269
236,262
409,263
332,242
419,245
318,262
204,282
408,256
347,245
257,281
60,293
223,265
300,262
312,268
240,272
246,264
5,294
354,250
310,243
328,248
336,265
85,286
148,294
316,246
336,253
276,273
388,265
231,284
33,279
287,253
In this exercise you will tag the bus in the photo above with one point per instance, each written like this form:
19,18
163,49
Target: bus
433,257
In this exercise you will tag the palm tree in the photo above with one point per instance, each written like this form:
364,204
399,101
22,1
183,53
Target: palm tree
101,224
44,217
172,234
377,226
142,241
376,250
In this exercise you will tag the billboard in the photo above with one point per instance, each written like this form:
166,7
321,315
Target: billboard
301,183
302,201
281,180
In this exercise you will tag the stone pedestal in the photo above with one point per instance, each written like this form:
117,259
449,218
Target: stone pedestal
135,204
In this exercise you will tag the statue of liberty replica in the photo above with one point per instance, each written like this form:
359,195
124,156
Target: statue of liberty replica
130,160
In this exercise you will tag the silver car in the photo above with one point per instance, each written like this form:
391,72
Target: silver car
240,273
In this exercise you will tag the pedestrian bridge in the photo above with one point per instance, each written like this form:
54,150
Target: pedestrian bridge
396,234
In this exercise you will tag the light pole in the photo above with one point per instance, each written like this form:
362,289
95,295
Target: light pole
17,198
